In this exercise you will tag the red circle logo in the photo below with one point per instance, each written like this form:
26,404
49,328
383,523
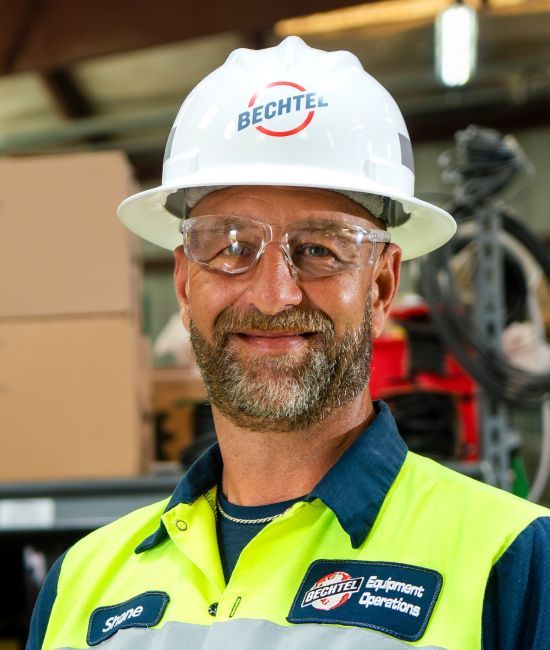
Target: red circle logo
336,600
293,131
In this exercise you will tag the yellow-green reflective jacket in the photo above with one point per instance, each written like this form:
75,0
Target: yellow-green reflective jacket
390,550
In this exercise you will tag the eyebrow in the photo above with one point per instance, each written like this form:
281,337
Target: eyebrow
326,225
367,223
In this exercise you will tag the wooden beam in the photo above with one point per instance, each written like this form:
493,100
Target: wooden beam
15,23
71,102
61,32
69,98
506,118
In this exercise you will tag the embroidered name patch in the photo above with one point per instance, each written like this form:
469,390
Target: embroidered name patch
144,610
397,599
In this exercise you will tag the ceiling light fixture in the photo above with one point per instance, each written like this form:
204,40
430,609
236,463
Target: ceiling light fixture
392,12
456,44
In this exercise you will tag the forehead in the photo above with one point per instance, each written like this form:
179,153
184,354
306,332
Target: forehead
280,203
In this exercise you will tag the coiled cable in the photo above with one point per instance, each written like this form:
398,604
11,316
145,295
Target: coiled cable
483,166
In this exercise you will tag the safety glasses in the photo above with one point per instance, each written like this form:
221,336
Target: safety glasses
317,247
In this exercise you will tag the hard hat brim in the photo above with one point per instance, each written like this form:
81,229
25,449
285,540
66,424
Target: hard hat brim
427,228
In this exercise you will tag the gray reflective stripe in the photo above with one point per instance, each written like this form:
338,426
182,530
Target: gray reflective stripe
406,152
169,142
251,634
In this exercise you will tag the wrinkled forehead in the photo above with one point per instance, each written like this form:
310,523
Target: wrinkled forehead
278,204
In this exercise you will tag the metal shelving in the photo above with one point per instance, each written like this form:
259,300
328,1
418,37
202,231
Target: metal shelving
77,505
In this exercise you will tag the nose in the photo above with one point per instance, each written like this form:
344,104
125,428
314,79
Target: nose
272,285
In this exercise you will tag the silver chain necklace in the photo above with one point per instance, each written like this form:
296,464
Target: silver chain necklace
236,520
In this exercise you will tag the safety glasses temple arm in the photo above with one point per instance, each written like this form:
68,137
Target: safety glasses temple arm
378,236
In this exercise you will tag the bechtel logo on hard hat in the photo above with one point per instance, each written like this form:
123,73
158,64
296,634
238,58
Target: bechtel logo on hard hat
283,111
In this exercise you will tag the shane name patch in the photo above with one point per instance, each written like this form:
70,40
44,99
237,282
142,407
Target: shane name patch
144,610
397,599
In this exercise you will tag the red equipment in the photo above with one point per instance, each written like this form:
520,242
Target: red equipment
432,397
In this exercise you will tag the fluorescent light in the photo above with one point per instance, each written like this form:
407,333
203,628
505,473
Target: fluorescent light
393,12
456,44
389,12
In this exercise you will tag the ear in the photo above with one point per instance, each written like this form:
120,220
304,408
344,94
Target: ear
181,276
384,286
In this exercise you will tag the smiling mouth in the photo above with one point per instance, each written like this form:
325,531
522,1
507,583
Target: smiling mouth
274,341
274,335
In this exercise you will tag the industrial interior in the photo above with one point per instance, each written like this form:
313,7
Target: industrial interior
102,405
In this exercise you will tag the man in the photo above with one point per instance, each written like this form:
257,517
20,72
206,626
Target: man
289,178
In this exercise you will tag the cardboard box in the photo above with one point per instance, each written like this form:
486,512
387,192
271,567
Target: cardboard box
175,392
63,250
72,399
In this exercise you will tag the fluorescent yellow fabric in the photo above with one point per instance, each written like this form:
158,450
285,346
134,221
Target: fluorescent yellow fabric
431,517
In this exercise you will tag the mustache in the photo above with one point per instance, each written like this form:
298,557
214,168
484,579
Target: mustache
232,321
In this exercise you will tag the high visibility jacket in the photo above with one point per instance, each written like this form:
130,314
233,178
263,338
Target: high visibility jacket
390,550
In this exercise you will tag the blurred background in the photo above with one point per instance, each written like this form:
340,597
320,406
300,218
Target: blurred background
101,406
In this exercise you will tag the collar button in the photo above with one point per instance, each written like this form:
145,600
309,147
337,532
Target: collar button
213,609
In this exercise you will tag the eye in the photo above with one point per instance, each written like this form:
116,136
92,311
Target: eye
313,250
238,249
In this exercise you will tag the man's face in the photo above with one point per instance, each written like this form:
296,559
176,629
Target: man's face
279,352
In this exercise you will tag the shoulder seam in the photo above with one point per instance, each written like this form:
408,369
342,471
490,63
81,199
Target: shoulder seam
520,532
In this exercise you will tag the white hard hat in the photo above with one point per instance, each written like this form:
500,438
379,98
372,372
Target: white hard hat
290,115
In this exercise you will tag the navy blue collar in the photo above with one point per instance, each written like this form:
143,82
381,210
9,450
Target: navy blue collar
354,488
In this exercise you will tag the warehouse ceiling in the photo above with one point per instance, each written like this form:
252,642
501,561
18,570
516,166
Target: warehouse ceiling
112,73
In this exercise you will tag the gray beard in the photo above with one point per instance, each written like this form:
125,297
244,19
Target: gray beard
287,392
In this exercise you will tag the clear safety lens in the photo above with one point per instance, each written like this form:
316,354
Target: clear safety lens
315,247
228,244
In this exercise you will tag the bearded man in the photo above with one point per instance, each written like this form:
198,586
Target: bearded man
287,197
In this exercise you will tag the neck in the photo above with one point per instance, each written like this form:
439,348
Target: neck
263,467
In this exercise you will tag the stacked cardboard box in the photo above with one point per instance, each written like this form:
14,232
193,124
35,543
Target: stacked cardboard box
175,395
74,379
